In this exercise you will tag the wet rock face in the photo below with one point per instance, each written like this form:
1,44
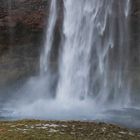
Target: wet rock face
135,45
22,29
22,20
135,31
30,13
21,37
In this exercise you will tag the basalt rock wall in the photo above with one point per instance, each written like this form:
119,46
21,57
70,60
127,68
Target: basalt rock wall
22,35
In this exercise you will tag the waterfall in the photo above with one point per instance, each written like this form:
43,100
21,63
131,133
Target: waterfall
93,59
45,57
92,74
47,77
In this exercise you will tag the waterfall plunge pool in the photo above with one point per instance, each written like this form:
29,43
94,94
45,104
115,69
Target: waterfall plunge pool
72,110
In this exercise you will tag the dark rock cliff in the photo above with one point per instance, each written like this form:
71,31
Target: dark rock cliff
22,27
135,45
135,31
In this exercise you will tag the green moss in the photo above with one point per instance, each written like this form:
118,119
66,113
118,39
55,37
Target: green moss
54,130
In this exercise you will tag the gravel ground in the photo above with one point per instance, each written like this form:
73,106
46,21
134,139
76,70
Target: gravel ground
56,130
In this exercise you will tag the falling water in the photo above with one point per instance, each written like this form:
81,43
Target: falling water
45,57
93,63
47,77
96,35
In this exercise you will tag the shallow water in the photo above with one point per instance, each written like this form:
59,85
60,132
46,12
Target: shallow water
127,117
